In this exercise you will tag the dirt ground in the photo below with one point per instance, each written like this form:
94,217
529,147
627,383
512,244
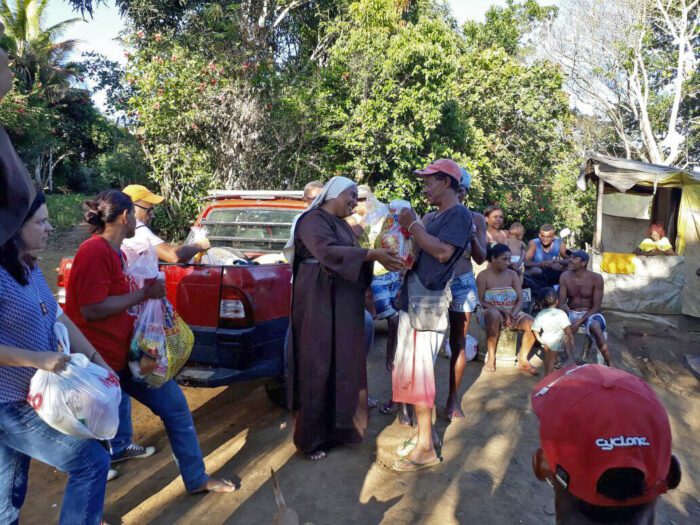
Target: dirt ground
485,477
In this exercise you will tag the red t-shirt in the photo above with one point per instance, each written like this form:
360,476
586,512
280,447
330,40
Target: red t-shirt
96,274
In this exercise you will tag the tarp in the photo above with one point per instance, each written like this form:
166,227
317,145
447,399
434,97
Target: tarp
656,287
661,284
628,205
623,174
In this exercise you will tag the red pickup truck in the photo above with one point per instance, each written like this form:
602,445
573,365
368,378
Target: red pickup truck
239,312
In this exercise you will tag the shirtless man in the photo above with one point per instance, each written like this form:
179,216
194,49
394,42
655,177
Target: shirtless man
581,296
494,231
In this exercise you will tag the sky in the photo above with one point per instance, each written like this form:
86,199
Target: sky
99,33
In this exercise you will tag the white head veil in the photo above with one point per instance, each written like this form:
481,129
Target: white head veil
331,190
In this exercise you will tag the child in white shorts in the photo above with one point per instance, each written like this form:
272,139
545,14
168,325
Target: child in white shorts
552,329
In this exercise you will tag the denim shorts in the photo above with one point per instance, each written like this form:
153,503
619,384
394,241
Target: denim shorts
384,289
464,294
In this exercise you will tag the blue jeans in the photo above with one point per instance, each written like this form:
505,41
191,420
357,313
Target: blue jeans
169,403
23,436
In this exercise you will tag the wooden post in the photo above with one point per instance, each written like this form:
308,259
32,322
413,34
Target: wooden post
598,239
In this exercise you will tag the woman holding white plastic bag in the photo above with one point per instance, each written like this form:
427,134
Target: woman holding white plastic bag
28,312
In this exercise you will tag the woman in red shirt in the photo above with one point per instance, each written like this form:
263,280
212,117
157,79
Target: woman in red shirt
98,299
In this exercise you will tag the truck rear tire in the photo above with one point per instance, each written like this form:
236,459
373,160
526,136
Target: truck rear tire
276,391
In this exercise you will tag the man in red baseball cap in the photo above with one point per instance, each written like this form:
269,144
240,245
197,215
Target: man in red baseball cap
423,305
606,446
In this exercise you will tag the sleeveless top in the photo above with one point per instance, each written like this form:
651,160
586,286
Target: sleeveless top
554,250
504,297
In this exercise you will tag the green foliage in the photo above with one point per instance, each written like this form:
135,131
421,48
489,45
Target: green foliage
28,120
230,95
39,58
507,27
65,210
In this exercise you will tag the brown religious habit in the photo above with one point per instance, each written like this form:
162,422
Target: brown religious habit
16,190
327,361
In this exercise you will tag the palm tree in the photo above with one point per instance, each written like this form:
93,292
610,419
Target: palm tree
40,59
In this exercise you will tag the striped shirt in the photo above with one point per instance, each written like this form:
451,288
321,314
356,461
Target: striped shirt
24,325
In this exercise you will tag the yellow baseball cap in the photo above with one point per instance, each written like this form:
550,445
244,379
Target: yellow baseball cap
142,193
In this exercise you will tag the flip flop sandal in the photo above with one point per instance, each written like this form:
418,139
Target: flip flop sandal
407,465
372,402
215,488
528,369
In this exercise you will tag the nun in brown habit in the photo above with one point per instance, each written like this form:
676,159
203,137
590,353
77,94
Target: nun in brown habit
327,361
16,190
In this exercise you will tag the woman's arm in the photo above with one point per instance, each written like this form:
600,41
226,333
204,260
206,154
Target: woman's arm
49,361
515,283
116,304
479,242
79,343
481,286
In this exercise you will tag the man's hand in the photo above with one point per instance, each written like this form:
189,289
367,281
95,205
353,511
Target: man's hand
203,245
556,266
407,216
576,325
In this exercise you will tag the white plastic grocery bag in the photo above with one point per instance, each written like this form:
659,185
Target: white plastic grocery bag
82,400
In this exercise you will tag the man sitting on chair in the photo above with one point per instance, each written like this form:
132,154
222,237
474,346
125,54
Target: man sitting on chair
581,296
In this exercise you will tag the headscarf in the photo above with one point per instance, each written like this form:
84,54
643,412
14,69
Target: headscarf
17,192
331,190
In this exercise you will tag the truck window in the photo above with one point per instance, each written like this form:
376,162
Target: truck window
260,230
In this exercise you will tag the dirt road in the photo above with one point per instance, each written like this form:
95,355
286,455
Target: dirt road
485,478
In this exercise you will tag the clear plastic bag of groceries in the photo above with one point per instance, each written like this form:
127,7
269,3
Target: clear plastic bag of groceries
376,213
198,234
162,335
82,400
393,236
149,331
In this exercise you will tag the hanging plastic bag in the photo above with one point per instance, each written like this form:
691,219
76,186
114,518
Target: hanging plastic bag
82,400
179,341
141,267
161,335
395,238
471,348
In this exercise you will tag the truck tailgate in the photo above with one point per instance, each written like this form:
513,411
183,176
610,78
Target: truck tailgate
194,291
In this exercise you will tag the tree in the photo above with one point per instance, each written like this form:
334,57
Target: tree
40,59
634,63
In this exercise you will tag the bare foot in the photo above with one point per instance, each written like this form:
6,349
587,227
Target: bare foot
218,485
489,365
419,455
527,368
453,410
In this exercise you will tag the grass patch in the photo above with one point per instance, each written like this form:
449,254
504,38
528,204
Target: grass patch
65,211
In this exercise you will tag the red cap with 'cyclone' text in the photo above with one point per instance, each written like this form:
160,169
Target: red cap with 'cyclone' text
594,418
